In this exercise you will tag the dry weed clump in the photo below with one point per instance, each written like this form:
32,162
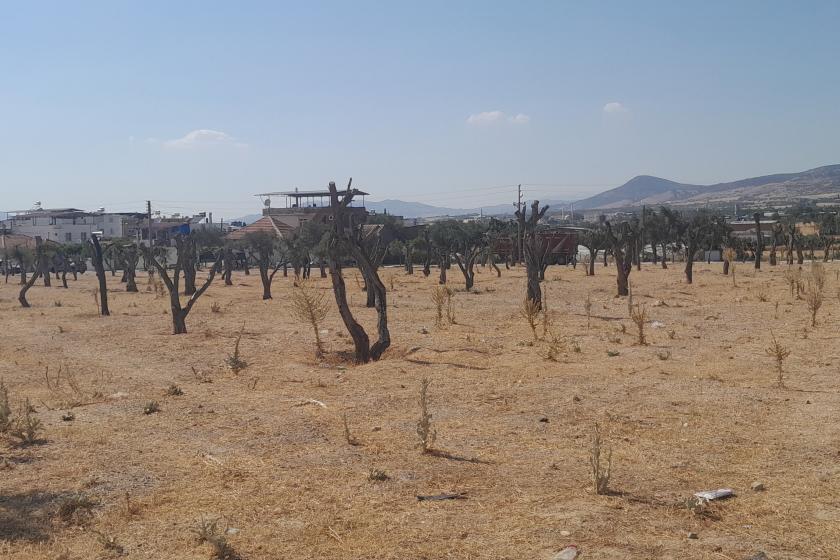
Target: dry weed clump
75,508
664,355
5,409
152,407
173,391
310,306
26,427
639,316
378,475
235,361
207,531
729,256
425,430
530,311
601,468
556,347
348,436
793,276
587,306
818,274
442,298
779,353
66,389
546,318
814,292
109,543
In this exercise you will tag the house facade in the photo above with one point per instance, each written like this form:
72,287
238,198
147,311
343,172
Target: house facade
68,225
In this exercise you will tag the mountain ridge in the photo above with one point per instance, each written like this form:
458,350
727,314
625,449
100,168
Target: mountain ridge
819,183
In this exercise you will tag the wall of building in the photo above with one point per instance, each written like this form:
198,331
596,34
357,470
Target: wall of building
67,230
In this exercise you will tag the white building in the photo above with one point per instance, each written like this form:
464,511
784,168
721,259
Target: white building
68,225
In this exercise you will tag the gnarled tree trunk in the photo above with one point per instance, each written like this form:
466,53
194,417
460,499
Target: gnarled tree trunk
98,265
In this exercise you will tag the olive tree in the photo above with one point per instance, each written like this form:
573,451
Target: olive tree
346,240
172,283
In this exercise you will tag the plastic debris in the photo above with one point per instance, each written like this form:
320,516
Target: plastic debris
719,494
658,325
569,553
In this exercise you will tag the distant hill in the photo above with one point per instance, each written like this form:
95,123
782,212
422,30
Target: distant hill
822,183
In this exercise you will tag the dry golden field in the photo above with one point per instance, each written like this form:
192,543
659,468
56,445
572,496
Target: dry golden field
264,452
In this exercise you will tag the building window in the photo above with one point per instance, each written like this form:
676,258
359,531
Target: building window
82,236
68,237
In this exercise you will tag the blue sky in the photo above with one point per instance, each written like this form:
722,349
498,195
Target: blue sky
199,105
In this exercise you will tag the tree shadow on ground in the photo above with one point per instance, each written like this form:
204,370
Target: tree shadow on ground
27,516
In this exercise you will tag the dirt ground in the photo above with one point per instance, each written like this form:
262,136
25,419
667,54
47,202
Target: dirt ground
264,454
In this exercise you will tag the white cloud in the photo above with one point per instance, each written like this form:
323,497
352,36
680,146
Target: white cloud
614,107
491,117
519,119
203,138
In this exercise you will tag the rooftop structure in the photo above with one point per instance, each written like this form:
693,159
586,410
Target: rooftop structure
299,206
304,199
267,224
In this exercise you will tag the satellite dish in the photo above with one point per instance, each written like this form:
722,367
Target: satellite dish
267,202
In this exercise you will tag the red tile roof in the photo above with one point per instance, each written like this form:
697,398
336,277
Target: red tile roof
267,224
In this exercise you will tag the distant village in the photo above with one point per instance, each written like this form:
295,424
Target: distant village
287,211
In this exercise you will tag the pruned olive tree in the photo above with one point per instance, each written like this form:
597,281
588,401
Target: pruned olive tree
692,232
470,241
346,240
172,283
621,241
535,253
595,240
39,256
264,246
759,240
98,265
442,239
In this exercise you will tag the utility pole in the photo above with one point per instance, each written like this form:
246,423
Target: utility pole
149,216
520,239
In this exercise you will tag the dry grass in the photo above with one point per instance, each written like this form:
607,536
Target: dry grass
310,306
235,362
425,430
779,353
530,311
444,312
287,485
601,465
730,256
639,316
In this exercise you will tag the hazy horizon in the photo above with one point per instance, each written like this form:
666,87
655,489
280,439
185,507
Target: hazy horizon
200,106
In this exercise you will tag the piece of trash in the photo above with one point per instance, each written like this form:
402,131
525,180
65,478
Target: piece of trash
757,486
439,497
719,494
692,535
658,325
118,395
569,553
